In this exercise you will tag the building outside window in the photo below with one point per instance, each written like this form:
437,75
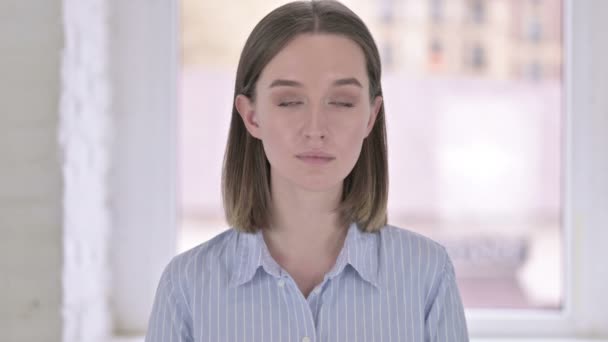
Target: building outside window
479,160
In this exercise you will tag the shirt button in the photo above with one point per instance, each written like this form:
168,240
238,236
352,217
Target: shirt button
305,339
281,283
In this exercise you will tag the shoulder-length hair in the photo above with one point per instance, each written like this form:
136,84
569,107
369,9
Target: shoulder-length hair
246,170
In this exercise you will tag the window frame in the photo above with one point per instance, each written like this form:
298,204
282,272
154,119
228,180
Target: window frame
584,312
144,59
139,192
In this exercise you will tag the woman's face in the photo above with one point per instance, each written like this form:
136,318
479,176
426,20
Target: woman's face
313,96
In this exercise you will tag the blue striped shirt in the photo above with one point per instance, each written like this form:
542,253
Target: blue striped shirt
392,285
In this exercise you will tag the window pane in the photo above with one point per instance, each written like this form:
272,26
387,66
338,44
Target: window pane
473,96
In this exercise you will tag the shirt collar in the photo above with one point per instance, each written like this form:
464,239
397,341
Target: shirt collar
360,251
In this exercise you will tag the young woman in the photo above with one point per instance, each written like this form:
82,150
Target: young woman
310,256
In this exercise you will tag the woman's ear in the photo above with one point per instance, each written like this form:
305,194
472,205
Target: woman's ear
375,109
246,109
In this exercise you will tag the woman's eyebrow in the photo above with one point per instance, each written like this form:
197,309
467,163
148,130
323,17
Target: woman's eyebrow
339,82
347,81
285,83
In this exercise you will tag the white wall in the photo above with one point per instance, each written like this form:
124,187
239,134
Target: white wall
144,49
84,86
85,137
54,121
31,40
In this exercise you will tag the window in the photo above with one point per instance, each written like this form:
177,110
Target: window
581,310
477,59
478,11
436,11
480,168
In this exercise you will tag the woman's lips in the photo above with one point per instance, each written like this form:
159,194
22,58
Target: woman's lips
316,160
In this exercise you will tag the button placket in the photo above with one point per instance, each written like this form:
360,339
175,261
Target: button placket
281,283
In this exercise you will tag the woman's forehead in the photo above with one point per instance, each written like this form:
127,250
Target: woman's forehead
317,58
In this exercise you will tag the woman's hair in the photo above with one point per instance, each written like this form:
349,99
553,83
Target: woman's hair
246,171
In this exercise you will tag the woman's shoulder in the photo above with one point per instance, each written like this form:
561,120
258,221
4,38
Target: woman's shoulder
421,261
410,237
399,243
215,244
182,266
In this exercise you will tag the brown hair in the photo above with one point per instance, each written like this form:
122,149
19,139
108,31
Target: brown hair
246,171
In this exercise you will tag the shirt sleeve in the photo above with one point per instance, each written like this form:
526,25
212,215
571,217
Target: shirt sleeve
445,320
170,320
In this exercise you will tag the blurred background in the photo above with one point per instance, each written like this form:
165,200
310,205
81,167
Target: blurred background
473,97
114,118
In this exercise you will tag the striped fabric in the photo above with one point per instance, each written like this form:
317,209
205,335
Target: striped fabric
393,285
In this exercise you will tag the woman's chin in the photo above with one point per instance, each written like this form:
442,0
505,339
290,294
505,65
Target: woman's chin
320,185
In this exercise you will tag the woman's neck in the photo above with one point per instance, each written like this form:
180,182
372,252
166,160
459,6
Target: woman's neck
305,236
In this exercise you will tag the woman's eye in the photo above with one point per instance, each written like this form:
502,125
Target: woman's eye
289,103
342,104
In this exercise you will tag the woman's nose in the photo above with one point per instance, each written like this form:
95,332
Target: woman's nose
316,125
310,134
